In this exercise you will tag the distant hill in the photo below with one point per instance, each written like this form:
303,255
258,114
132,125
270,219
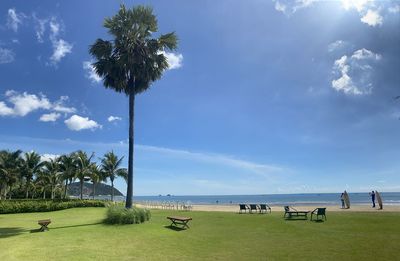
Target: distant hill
101,189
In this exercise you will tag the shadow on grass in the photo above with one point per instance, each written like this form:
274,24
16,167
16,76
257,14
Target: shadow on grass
11,231
80,225
318,220
296,219
175,228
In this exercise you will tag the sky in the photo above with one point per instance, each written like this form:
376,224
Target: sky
261,97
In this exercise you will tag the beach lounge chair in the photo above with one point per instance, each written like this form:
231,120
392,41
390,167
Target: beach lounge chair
264,208
319,212
253,207
243,207
291,212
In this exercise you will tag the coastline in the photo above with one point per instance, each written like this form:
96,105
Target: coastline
353,208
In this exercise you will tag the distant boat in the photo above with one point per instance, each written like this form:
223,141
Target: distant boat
168,195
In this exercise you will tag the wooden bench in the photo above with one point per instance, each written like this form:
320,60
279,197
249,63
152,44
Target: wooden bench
180,221
44,224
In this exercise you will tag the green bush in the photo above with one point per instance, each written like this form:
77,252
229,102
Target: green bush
24,206
119,215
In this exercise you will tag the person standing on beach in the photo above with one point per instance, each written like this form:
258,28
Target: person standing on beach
372,194
342,199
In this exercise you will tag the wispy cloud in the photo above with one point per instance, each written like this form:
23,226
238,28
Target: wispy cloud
355,72
6,56
90,72
289,7
78,123
255,168
50,117
14,19
114,118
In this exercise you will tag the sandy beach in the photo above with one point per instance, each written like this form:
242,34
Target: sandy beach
355,208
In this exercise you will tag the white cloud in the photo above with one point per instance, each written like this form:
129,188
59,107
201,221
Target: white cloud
48,157
14,19
359,5
289,7
23,104
91,72
50,117
60,49
6,56
355,72
5,110
365,54
114,118
372,18
78,123
174,60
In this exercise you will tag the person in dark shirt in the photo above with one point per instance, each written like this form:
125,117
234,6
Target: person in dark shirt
342,199
372,194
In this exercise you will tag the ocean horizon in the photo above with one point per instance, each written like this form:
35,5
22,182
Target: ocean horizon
360,198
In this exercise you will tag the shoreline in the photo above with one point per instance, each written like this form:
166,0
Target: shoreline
353,208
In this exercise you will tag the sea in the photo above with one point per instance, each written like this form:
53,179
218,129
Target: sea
362,198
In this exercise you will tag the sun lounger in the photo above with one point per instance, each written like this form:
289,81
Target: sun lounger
264,208
319,212
180,221
253,207
44,224
291,212
243,207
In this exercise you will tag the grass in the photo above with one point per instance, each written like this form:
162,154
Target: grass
78,234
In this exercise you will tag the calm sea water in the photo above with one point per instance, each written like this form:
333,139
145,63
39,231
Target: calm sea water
389,198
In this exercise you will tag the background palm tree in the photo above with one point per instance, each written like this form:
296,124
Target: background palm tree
68,168
96,175
10,169
83,167
110,165
31,164
132,61
53,172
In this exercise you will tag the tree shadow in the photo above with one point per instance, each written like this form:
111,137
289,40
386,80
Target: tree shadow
80,225
318,220
175,228
11,231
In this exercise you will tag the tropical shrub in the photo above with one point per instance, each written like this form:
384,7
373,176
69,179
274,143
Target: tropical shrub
24,206
117,214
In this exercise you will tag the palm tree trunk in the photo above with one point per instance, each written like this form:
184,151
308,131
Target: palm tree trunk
66,188
112,190
94,189
81,181
28,181
52,192
44,193
129,191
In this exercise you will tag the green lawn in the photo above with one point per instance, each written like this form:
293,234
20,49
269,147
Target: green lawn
77,234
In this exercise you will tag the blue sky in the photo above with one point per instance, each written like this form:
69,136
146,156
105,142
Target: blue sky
262,97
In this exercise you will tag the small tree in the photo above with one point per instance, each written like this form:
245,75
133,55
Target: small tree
110,165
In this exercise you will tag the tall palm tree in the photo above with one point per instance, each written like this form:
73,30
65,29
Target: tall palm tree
10,168
83,167
68,168
31,165
132,61
110,165
53,171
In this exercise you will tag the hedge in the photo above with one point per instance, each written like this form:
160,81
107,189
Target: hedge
25,206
